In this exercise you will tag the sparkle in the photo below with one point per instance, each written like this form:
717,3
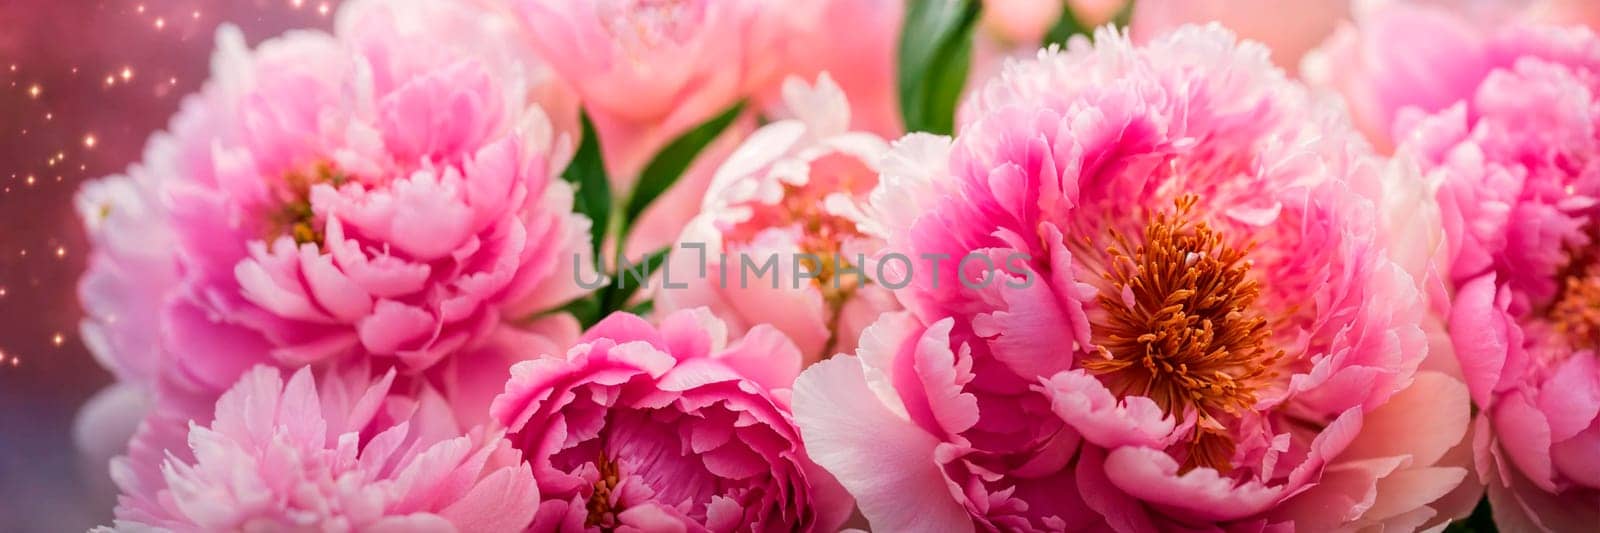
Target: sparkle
323,9
2,292
89,141
61,251
161,23
58,339
127,73
139,9
30,180
34,90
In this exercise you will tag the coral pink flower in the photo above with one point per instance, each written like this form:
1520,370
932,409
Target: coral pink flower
1025,22
669,429
1517,164
342,456
389,191
856,42
1289,29
1020,21
648,71
1426,55
792,196
1145,294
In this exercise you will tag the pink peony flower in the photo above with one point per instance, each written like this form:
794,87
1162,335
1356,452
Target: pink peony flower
668,429
791,196
648,71
1518,169
342,456
1428,55
1146,293
386,192
856,42
1288,29
132,267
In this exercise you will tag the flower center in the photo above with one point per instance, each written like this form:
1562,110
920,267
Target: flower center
1178,327
643,25
602,509
821,234
295,217
1575,314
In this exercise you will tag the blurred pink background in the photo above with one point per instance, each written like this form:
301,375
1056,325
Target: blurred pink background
82,84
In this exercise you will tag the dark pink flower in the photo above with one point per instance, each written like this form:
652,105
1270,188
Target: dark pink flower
668,428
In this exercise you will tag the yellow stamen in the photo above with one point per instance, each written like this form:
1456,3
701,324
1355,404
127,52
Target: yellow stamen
602,510
1187,336
295,218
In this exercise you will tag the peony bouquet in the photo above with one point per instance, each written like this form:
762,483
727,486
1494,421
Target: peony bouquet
895,265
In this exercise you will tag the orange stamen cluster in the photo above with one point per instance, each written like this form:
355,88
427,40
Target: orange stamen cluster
1186,337
1575,315
602,510
295,218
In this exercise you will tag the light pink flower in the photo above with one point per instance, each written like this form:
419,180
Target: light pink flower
1518,169
344,456
1190,321
648,71
1288,29
856,42
389,192
1428,55
132,267
668,429
794,188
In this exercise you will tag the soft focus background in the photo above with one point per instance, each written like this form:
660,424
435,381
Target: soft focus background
82,84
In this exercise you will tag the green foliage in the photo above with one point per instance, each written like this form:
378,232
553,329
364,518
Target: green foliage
587,172
668,166
935,53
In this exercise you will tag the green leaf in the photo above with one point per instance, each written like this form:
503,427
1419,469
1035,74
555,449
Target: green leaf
586,310
644,308
669,165
619,292
935,52
587,172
